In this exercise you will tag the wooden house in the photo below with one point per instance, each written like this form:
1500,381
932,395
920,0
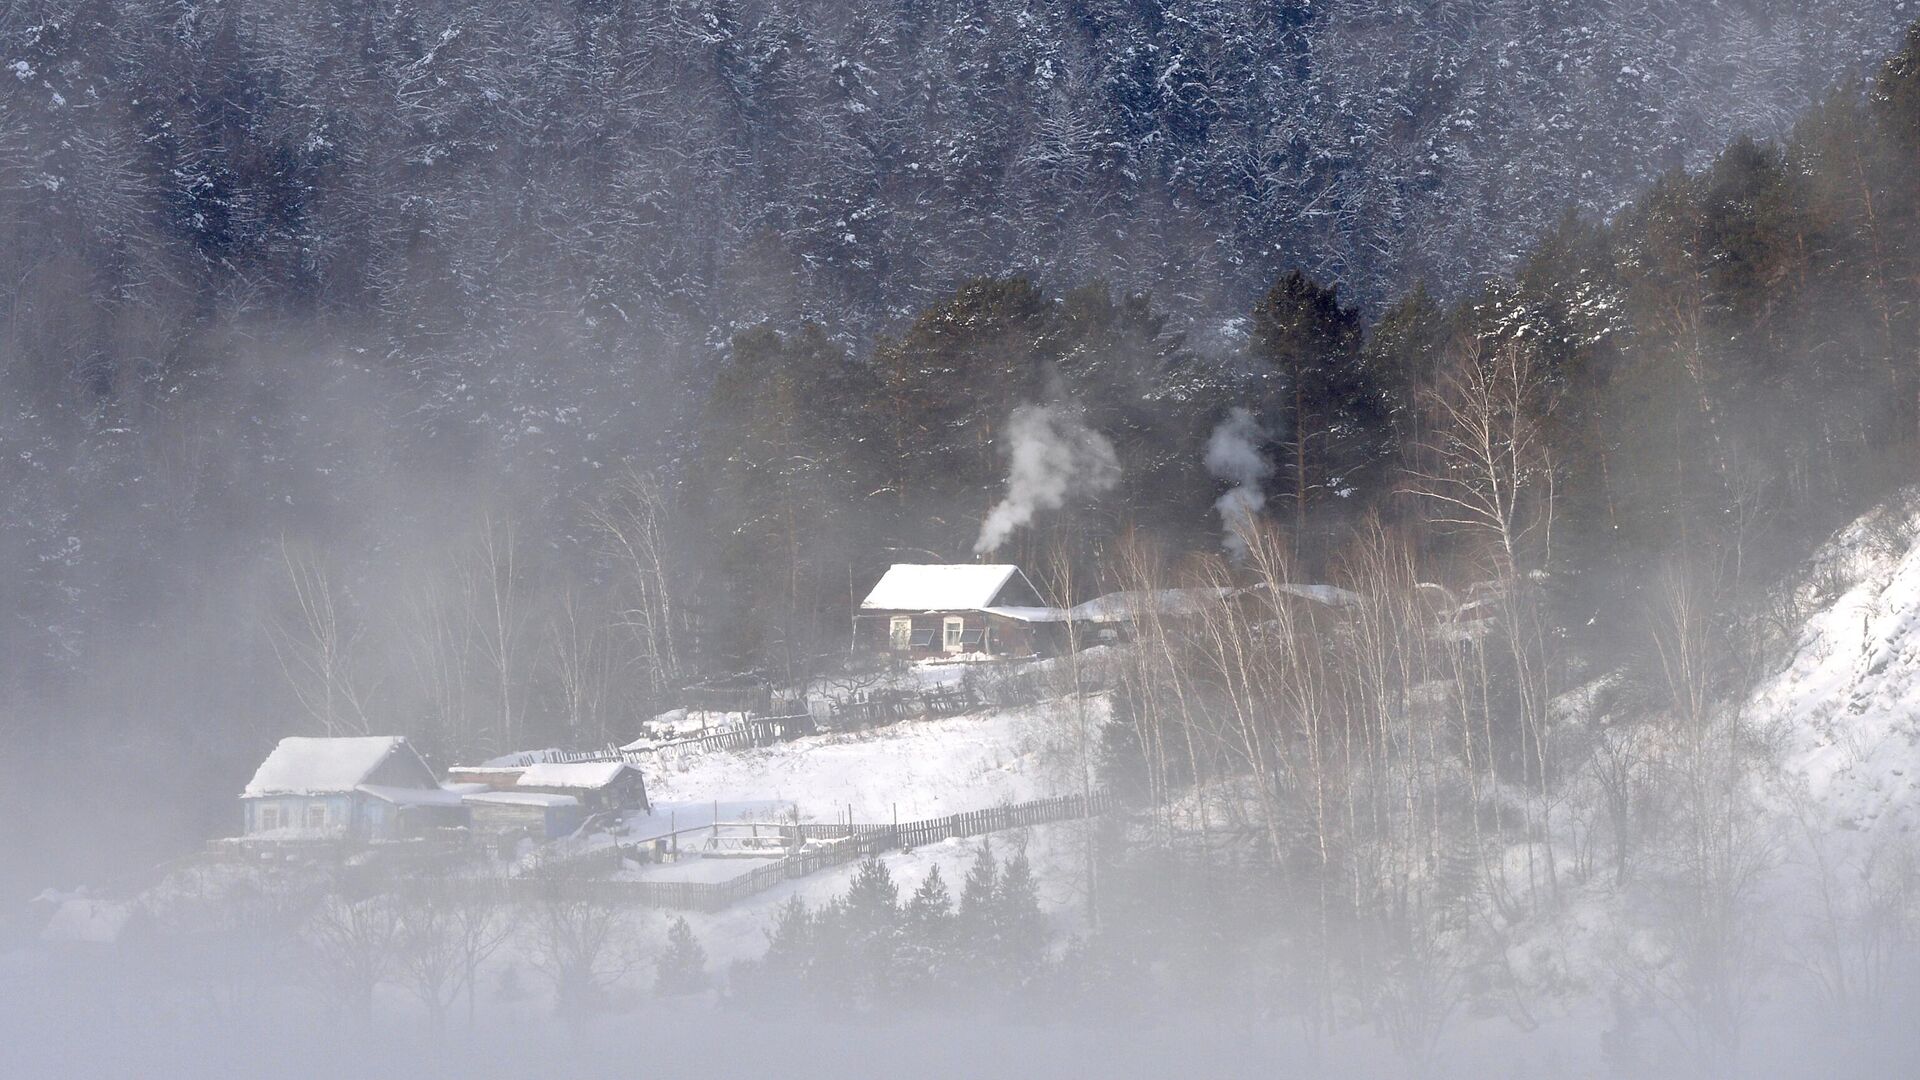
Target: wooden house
961,611
363,788
599,785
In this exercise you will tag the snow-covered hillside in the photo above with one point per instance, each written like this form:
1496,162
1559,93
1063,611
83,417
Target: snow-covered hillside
1845,711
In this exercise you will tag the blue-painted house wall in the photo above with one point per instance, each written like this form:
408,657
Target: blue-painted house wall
347,814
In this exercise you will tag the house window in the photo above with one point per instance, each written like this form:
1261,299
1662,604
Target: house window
269,818
317,816
953,632
900,632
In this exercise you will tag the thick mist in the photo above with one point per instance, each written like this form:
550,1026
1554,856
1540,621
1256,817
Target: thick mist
1462,455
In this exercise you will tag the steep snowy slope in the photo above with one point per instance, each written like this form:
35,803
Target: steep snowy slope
1845,711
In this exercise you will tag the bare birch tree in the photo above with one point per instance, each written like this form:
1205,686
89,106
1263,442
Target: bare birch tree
580,658
318,645
631,523
500,591
1488,476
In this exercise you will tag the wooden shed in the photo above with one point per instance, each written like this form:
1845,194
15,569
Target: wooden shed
961,610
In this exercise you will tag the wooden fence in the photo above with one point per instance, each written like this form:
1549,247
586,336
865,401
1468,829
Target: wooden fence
745,734
909,834
844,842
1006,689
880,709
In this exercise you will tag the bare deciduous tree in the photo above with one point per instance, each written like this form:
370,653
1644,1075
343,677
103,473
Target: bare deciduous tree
583,664
447,930
632,526
353,944
318,645
579,943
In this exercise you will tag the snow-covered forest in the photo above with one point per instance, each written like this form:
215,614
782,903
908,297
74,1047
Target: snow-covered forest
1507,411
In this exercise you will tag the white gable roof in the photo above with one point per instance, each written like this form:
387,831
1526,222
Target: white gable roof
585,775
310,766
943,587
406,796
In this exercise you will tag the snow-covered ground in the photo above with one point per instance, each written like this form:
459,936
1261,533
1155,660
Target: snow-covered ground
1845,712
917,769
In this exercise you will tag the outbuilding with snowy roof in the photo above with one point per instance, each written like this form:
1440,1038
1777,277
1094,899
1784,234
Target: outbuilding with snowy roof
599,785
373,787
961,610
532,814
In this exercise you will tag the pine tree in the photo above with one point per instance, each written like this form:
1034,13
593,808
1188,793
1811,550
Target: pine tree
1330,415
1022,925
977,894
791,941
862,933
926,940
1402,352
872,902
930,909
976,926
682,968
947,387
781,458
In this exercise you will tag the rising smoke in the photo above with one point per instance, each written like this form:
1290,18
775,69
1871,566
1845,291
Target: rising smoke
1053,456
1233,455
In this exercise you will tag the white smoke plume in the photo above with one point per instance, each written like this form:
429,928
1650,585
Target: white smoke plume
1053,456
1233,455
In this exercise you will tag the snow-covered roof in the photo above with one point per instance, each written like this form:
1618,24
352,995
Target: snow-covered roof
1029,614
941,587
403,796
521,798
315,766
1121,606
1330,595
583,775
1125,606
